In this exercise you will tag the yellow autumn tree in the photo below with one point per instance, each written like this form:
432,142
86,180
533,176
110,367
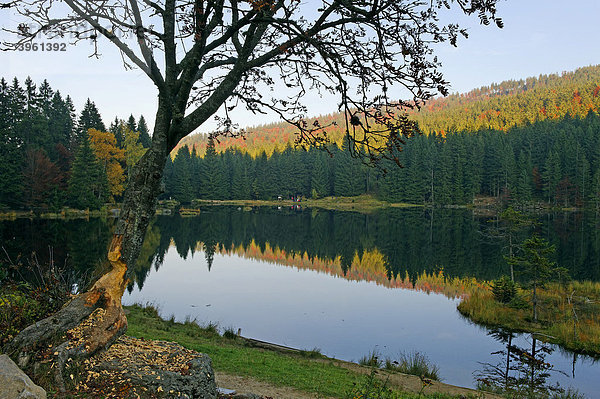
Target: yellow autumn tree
133,148
110,157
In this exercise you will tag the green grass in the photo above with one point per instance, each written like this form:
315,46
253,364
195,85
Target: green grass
236,358
321,376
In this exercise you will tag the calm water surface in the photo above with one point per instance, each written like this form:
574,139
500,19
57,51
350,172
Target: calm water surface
341,282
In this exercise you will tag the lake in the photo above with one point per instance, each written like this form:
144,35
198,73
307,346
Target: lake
343,282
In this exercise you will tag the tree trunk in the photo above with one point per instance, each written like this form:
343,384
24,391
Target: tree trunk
534,300
95,319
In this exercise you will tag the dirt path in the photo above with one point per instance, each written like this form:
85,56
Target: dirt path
408,383
249,385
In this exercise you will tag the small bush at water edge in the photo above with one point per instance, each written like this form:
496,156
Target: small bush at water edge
414,363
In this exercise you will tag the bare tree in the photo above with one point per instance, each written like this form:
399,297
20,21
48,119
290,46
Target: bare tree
206,57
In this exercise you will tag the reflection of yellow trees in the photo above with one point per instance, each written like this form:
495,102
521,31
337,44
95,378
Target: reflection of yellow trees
371,266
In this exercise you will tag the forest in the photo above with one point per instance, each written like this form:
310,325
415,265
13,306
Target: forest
52,157
522,142
553,161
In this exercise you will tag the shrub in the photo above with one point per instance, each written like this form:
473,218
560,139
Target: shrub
371,360
504,289
414,363
370,387
30,291
229,333
314,353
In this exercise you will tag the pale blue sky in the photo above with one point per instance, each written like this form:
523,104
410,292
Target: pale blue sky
539,37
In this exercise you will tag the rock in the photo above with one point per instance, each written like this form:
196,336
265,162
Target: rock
239,396
15,384
132,365
225,393
196,381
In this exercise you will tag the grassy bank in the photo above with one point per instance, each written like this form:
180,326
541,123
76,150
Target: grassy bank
306,371
568,315
66,213
362,203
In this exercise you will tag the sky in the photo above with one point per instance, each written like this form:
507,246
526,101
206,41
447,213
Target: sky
539,37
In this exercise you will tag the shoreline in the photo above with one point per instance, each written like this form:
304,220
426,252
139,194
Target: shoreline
483,206
259,361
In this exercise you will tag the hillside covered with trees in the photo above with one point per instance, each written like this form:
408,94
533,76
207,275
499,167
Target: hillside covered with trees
536,139
500,106
554,161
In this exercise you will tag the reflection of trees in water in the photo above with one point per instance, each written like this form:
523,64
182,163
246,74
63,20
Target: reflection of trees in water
519,371
412,240
79,244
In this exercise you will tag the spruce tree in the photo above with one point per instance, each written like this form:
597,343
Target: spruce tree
241,177
144,133
131,124
11,149
88,184
349,176
213,173
182,176
117,128
319,179
60,124
551,175
89,118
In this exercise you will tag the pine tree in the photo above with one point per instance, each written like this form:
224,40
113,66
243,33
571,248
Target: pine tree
551,175
11,149
319,179
88,119
88,184
182,176
131,124
60,124
144,133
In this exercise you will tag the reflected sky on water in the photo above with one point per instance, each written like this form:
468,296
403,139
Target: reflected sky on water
345,319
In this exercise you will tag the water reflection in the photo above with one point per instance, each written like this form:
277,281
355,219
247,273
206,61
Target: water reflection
408,241
347,319
520,371
351,282
77,244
